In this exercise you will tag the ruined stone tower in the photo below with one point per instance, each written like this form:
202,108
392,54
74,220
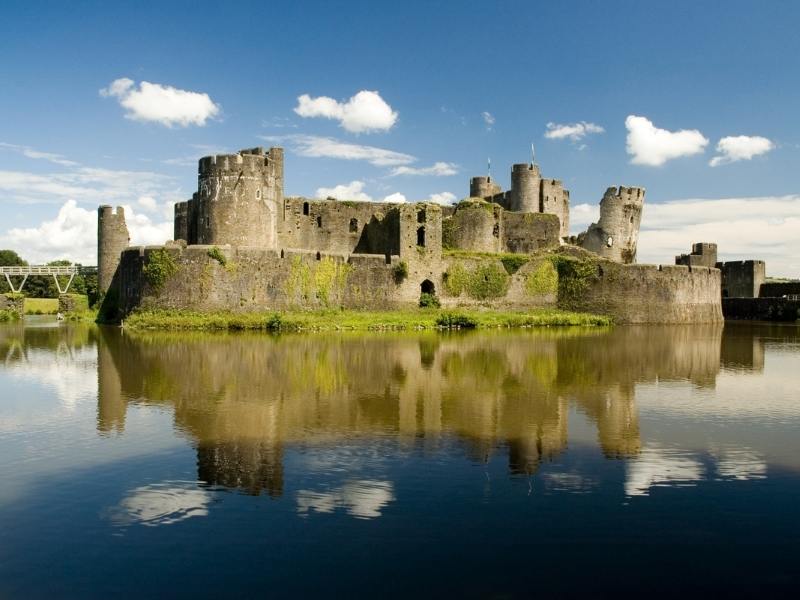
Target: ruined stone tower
616,234
237,201
483,187
112,239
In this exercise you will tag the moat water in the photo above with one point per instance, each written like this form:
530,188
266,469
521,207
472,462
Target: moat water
501,464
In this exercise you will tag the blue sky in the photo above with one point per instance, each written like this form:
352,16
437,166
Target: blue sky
711,70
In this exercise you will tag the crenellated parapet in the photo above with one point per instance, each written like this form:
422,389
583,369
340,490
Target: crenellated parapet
238,198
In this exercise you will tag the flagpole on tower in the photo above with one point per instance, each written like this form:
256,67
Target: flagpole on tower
489,168
533,155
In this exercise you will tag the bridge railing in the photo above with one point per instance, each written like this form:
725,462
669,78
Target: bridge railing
25,271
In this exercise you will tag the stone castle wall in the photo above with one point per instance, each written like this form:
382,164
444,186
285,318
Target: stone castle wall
480,226
703,255
742,278
257,279
652,293
339,226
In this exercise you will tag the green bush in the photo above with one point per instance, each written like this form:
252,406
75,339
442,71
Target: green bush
428,300
574,277
400,272
160,266
451,320
512,263
8,315
217,255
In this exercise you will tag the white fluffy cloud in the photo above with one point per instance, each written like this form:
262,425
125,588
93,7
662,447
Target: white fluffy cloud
345,191
363,113
744,228
439,169
572,131
161,103
72,234
489,119
442,198
652,146
90,185
396,198
740,147
759,228
324,147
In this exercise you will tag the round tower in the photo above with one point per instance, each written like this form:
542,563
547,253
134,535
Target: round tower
238,198
616,235
483,187
112,239
525,184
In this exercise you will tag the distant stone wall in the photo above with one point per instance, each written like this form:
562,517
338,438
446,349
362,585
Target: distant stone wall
646,293
742,279
761,309
476,226
339,226
778,289
530,232
703,255
480,226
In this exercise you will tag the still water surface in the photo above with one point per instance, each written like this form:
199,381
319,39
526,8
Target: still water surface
499,464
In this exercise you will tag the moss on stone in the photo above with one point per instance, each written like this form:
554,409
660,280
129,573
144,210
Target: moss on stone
330,278
574,277
484,282
542,279
449,230
217,255
159,267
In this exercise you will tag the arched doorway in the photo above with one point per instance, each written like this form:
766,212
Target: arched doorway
427,287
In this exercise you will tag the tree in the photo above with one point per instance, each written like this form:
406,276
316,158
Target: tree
9,258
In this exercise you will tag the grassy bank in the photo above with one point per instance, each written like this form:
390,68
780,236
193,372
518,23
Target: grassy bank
348,320
41,306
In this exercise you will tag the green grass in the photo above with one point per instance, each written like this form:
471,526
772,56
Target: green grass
41,306
82,316
348,320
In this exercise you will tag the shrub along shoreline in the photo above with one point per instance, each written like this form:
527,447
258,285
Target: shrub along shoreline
351,320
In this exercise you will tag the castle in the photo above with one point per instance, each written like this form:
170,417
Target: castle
241,245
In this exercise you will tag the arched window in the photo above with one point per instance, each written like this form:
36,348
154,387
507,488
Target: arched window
353,225
305,208
421,237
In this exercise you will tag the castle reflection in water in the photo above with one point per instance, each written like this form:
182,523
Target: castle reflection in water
241,399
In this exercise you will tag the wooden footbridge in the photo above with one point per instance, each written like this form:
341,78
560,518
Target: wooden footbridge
26,271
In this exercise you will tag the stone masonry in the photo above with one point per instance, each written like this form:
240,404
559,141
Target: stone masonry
240,245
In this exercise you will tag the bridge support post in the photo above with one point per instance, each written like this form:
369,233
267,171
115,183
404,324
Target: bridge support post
11,285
